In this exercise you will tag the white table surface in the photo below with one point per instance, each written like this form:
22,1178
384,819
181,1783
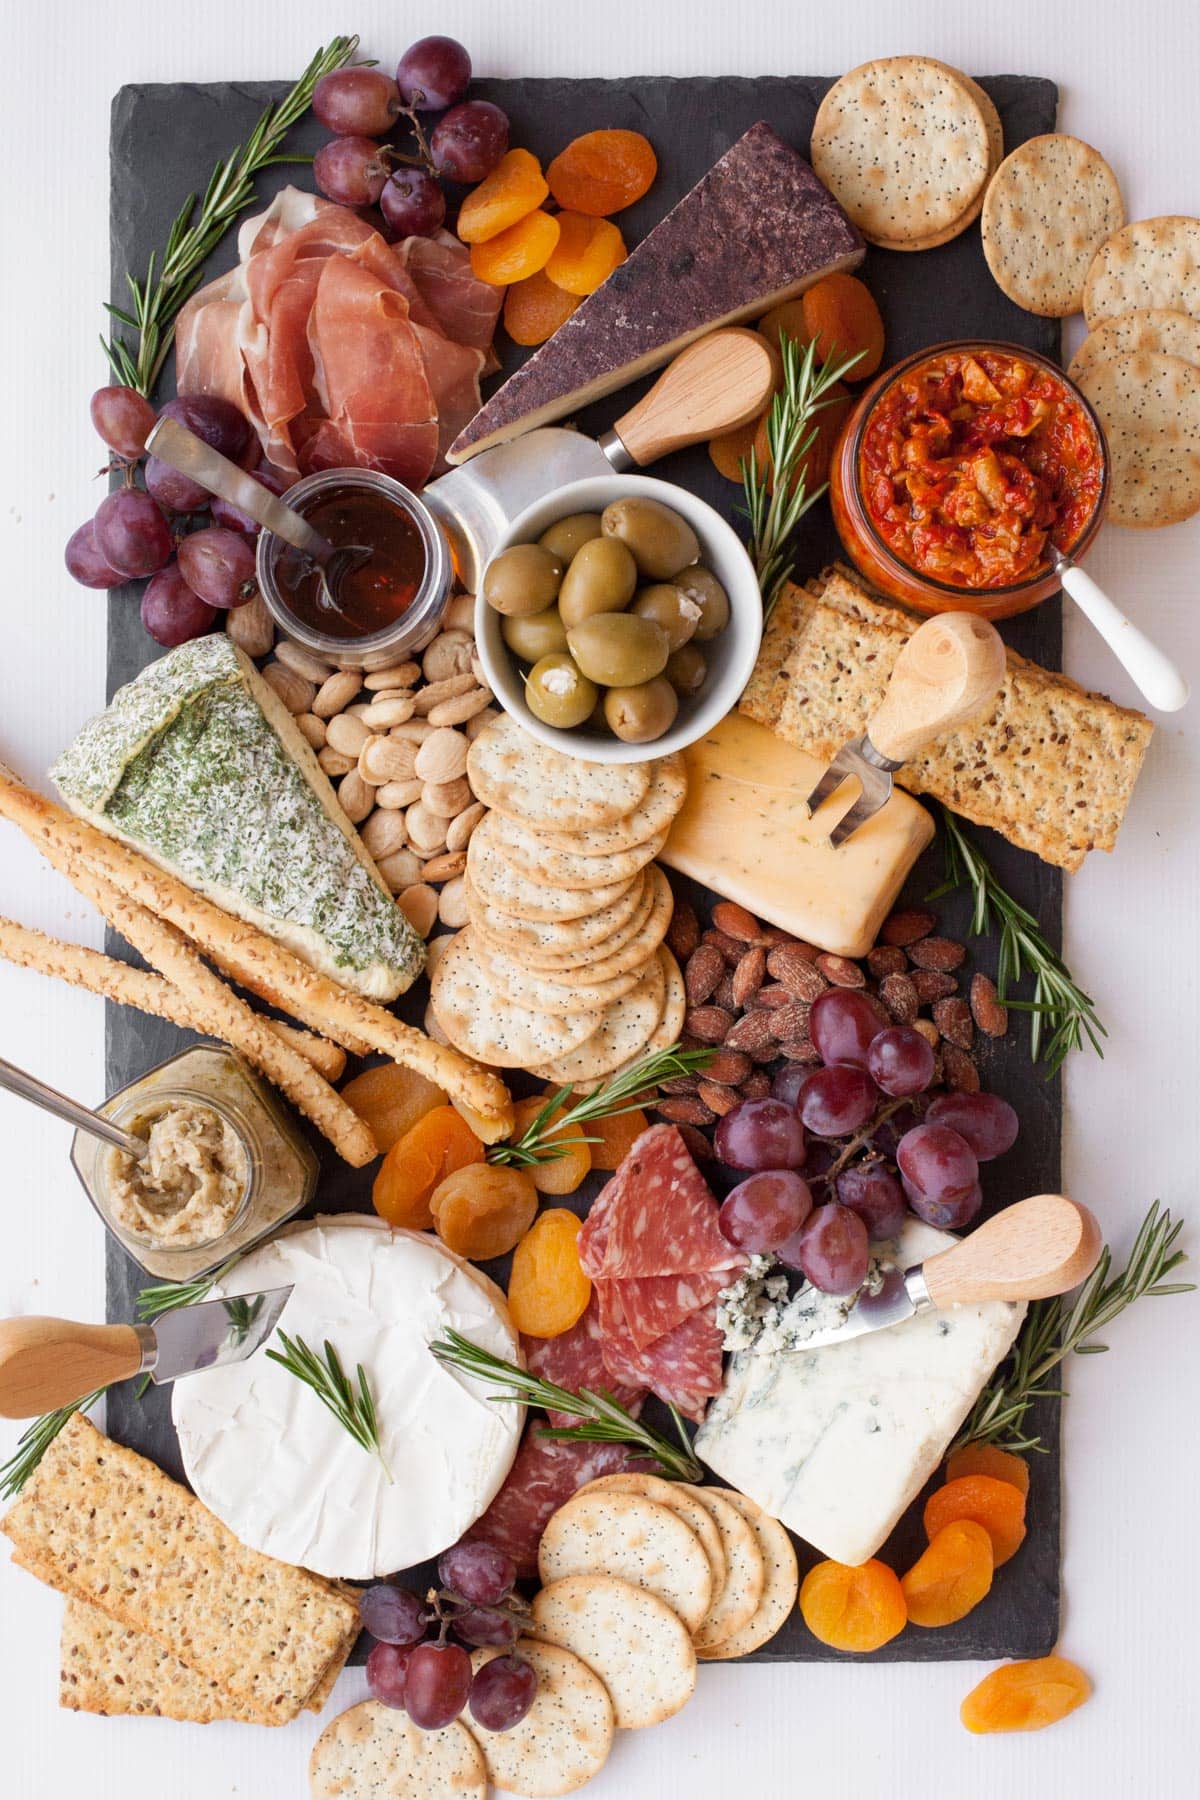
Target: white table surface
1131,1590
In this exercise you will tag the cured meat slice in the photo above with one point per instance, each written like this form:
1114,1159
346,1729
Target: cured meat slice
543,1477
462,307
655,1304
684,1368
663,1219
576,1360
592,1242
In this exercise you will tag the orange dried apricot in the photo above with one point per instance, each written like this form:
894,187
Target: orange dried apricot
815,465
602,172
534,309
587,252
548,1292
988,1459
1025,1696
996,1505
561,1174
430,1150
618,1133
952,1576
483,1210
518,252
787,317
728,452
515,187
853,1608
390,1099
839,311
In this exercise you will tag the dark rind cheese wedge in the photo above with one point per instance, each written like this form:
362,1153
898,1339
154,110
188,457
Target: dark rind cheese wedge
757,229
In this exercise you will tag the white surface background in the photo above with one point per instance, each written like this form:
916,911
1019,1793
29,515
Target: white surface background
1132,1597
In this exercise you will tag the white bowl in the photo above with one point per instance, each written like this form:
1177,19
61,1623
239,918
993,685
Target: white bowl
731,656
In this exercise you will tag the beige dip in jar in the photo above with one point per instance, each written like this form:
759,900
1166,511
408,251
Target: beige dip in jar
189,1186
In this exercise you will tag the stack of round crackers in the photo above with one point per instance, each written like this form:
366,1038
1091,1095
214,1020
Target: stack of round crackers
563,969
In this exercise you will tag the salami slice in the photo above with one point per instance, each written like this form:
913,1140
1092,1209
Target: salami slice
663,1218
655,1304
592,1242
543,1477
576,1360
684,1367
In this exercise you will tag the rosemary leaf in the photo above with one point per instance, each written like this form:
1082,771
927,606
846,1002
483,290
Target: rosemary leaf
168,1296
543,1142
34,1442
353,1408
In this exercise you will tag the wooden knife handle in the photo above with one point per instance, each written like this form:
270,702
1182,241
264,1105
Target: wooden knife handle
721,381
1038,1247
948,672
47,1363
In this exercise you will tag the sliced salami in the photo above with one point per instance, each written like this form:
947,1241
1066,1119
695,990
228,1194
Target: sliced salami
683,1368
576,1360
543,1477
592,1241
655,1304
663,1218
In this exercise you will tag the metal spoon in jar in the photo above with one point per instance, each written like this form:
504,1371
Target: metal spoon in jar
28,1087
1151,669
173,443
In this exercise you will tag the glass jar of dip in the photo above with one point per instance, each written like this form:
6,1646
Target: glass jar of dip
278,1167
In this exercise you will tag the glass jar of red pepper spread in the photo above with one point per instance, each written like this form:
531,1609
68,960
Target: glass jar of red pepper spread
959,474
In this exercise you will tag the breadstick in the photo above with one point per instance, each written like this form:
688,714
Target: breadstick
115,980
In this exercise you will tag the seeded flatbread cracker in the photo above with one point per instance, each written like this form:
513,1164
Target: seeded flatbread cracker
533,897
554,937
995,136
1150,409
541,990
565,1737
527,780
633,944
633,1641
375,1752
625,1029
1049,207
1151,263
1154,328
664,797
678,1497
670,1027
735,1604
902,143
482,1023
634,1539
780,1589
531,853
113,1670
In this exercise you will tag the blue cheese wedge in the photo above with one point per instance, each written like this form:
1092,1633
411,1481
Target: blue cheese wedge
199,765
838,1442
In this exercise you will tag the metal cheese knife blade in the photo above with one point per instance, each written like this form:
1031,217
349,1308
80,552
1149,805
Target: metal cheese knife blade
47,1363
948,672
1043,1246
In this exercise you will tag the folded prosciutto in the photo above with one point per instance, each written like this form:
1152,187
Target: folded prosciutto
340,348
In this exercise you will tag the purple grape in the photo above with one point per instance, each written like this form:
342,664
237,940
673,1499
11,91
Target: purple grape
760,1134
357,102
873,1192
486,1625
172,489
171,613
832,1250
936,1163
387,1667
131,534
477,1572
413,203
887,1134
987,1122
233,518
837,1101
215,420
123,418
394,1615
219,566
842,1024
84,561
765,1210
469,140
436,1684
350,170
433,73
819,1157
503,1692
950,1212
900,1061
787,1082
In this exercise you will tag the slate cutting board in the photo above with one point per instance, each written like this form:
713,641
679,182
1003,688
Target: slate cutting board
165,140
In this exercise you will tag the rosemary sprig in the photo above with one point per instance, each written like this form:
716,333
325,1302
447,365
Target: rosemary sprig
174,274
1059,1007
34,1442
777,497
168,1296
621,1094
352,1407
603,1421
1053,1329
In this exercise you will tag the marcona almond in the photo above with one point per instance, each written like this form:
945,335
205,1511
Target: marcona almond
251,627
446,799
445,867
347,734
355,797
413,731
384,759
336,694
397,794
389,710
458,831
460,614
311,729
400,869
479,721
449,654
357,710
448,689
296,691
460,708
295,656
419,904
334,763
384,833
425,830
452,906
398,675
478,669
443,756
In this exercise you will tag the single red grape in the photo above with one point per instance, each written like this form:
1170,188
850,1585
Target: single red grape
123,417
350,170
84,561
219,566
842,1024
838,1100
394,1615
387,1667
503,1692
131,534
485,1625
433,73
469,140
765,1210
987,1122
171,613
760,1134
900,1061
873,1192
949,1212
787,1082
436,1684
832,1250
172,489
478,1572
413,203
936,1163
357,102
215,420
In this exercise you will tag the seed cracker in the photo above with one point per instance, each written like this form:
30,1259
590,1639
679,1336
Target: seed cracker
1153,262
1049,207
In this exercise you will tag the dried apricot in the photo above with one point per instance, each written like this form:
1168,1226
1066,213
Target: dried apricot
840,313
617,1133
587,252
1024,1696
517,253
952,1577
728,452
602,172
430,1150
534,309
515,187
815,464
390,1099
853,1608
987,1459
560,1174
548,1292
996,1505
787,317
483,1210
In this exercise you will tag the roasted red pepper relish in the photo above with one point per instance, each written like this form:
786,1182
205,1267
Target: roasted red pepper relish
970,462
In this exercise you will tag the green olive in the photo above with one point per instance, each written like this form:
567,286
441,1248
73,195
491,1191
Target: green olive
662,543
601,579
670,607
686,670
619,649
522,580
557,694
566,536
702,586
536,635
642,713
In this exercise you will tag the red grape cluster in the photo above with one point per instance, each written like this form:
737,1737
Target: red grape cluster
871,1140
360,106
430,1677
196,567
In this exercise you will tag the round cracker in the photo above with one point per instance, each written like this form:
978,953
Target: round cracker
534,898
995,137
634,1539
680,1498
625,1029
541,991
527,780
902,144
565,1737
630,948
1154,328
1049,207
736,1603
1149,406
1151,263
532,854
633,1641
555,937
670,1027
375,1752
483,1024
781,1587
663,799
